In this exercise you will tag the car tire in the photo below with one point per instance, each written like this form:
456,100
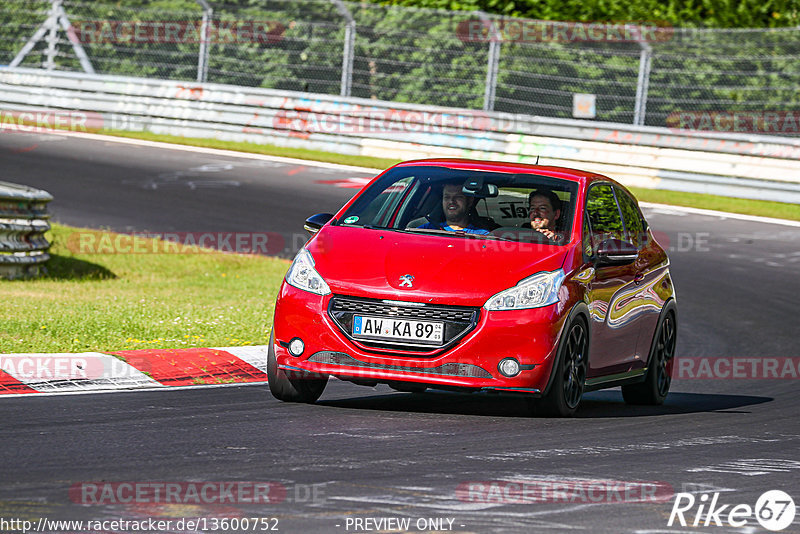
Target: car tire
569,380
653,390
294,386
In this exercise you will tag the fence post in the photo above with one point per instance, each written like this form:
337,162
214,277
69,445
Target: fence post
348,56
348,53
57,16
493,62
52,35
640,107
202,57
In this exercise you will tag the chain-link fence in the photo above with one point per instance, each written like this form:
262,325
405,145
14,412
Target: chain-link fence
627,73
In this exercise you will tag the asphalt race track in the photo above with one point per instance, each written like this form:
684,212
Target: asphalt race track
127,187
365,453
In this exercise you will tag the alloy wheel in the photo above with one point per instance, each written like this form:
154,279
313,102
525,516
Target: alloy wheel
574,365
665,351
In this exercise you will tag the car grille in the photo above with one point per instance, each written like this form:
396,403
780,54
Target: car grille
458,320
439,313
447,369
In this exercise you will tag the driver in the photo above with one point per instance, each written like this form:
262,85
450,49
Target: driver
456,206
545,209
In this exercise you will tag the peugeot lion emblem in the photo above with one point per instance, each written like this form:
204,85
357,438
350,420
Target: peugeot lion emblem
406,280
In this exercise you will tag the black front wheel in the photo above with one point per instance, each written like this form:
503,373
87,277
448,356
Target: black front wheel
656,383
566,389
292,386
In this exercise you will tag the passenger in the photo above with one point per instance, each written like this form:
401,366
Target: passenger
545,209
457,209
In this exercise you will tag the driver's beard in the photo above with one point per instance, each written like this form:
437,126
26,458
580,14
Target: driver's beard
460,220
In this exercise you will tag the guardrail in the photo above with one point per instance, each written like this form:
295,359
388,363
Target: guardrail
748,166
23,222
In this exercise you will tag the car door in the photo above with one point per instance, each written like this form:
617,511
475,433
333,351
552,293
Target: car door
611,292
651,268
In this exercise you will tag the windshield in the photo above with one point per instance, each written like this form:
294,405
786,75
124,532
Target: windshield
490,205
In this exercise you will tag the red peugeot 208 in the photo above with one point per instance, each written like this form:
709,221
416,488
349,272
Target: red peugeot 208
477,276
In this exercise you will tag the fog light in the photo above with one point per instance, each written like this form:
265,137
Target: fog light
508,367
296,347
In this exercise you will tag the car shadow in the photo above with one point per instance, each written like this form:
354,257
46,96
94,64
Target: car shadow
609,403
595,405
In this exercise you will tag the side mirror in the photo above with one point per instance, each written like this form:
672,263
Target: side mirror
616,252
314,223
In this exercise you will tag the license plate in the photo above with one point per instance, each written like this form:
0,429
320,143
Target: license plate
428,332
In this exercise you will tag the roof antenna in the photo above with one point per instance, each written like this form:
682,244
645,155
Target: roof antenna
537,159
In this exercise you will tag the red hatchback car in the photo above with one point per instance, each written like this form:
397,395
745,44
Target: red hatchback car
479,276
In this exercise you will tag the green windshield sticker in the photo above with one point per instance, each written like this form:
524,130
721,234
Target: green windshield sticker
351,219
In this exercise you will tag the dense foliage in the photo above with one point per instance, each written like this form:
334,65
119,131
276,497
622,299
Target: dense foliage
698,13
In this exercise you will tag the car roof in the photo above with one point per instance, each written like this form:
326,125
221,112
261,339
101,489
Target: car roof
583,177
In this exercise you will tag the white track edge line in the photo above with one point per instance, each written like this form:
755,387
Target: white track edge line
217,151
68,354
122,390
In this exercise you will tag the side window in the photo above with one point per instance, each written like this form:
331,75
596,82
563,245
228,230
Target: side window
603,215
633,219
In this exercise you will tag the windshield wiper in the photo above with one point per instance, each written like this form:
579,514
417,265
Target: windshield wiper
493,237
457,233
428,231
379,228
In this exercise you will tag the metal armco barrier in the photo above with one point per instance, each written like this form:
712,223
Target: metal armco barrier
741,165
23,222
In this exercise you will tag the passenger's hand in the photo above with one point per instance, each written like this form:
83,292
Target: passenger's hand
549,233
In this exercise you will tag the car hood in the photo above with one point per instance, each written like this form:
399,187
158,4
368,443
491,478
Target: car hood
446,270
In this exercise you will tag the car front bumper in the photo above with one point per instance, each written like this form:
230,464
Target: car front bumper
530,336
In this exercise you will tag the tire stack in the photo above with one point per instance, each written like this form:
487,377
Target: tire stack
23,223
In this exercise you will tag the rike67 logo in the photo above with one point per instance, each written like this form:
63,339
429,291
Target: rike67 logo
774,510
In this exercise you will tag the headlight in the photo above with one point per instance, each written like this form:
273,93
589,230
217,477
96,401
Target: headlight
302,275
536,291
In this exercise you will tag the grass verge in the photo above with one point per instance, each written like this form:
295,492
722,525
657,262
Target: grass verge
763,208
106,302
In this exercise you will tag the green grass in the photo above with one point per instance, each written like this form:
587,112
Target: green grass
106,302
763,208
